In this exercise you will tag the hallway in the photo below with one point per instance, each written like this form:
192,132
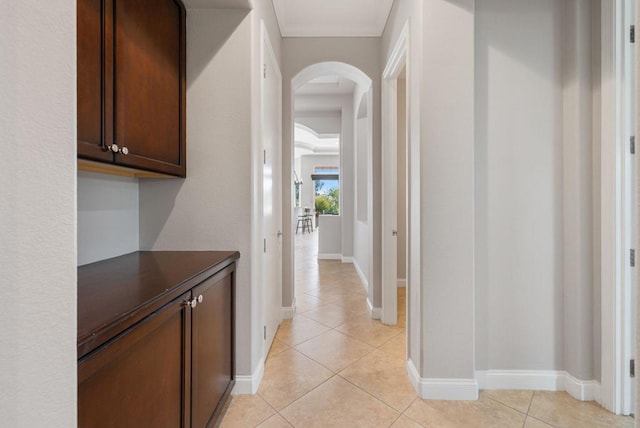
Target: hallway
332,365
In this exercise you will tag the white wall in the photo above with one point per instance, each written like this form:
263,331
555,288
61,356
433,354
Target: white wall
578,189
211,208
447,189
441,219
108,216
329,236
321,122
361,248
38,228
362,169
519,182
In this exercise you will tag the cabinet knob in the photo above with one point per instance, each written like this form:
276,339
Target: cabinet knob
114,148
191,303
200,298
124,151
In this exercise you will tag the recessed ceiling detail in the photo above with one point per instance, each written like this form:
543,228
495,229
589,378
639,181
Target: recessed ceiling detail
332,18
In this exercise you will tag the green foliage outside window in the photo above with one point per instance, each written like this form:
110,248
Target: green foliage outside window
328,203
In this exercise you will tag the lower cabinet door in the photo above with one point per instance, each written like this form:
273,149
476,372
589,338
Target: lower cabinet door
212,343
142,377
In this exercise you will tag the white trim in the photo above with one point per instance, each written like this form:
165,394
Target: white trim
347,260
375,312
583,390
398,56
363,278
535,380
442,389
248,385
289,311
612,358
402,282
539,380
329,256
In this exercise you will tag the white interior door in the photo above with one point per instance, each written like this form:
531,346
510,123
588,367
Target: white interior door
272,193
631,189
629,211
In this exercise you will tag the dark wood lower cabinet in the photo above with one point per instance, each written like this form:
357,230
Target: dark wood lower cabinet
170,361
212,364
138,379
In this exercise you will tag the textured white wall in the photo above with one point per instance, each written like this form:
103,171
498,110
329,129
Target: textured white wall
519,185
38,228
108,216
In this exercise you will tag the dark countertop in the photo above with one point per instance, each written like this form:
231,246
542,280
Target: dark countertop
116,293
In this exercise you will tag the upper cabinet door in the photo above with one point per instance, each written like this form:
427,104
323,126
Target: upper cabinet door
94,110
149,92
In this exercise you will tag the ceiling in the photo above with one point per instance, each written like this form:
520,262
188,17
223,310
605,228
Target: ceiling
332,18
327,85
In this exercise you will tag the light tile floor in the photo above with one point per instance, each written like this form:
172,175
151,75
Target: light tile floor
333,366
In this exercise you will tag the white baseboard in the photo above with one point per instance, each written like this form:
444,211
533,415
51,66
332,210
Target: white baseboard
376,313
329,256
402,282
442,389
583,390
535,380
363,278
289,311
539,380
248,385
347,260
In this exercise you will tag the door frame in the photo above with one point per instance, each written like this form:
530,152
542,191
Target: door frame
398,59
616,273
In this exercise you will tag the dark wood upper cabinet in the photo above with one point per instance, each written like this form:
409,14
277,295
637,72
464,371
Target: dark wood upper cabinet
94,121
132,83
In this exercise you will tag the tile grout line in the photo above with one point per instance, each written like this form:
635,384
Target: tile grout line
508,406
371,395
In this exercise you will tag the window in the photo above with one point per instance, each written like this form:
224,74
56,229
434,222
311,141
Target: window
326,180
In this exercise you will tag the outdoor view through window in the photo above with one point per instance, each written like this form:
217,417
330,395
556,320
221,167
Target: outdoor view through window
326,180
